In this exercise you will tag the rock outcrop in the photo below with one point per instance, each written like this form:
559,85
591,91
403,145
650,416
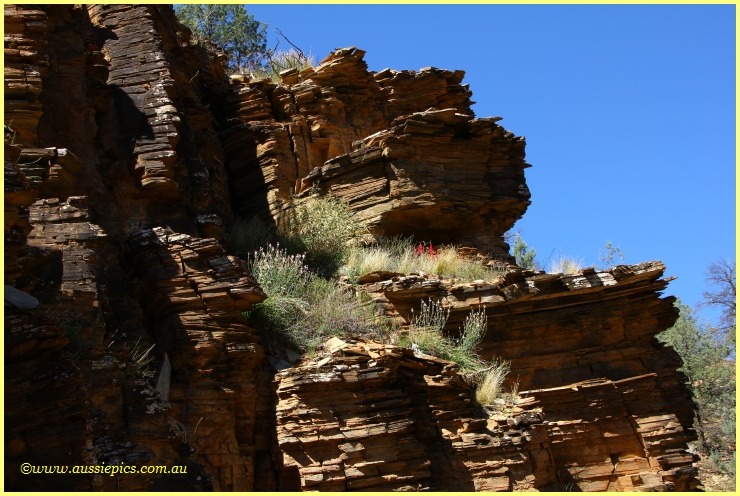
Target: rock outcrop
439,175
377,417
401,147
612,414
128,155
110,150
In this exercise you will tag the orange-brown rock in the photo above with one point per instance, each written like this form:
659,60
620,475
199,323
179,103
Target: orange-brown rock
377,417
129,153
26,63
109,131
193,294
438,175
278,134
583,346
401,147
45,402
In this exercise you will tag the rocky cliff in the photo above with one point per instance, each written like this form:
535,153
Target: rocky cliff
129,153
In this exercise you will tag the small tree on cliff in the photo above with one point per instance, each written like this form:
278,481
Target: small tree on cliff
524,255
231,28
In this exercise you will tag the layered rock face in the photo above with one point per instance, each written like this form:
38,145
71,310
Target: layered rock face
402,148
129,153
439,175
110,150
383,418
583,347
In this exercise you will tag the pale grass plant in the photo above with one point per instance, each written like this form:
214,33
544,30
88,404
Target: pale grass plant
426,333
566,265
491,385
281,60
398,255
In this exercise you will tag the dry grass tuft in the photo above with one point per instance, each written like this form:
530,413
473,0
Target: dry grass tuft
399,255
491,386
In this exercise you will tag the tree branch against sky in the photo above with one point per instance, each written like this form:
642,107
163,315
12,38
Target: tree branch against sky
721,276
230,27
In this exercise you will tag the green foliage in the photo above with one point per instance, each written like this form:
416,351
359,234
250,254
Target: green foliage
230,27
399,255
426,333
304,310
524,255
319,228
704,358
711,374
474,328
280,273
322,227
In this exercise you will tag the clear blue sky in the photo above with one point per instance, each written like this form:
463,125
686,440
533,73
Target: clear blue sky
628,111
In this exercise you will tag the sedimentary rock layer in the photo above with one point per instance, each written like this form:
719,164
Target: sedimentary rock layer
583,346
401,147
129,153
377,417
439,175
110,137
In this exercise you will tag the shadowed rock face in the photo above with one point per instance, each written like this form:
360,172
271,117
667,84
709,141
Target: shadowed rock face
112,150
129,153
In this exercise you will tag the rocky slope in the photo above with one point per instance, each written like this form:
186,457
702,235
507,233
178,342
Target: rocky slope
129,153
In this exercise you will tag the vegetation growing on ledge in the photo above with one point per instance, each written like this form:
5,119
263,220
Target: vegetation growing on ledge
402,256
297,265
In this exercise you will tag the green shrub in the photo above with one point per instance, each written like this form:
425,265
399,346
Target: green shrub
426,332
231,28
709,365
280,273
611,256
474,328
336,311
322,227
524,255
304,310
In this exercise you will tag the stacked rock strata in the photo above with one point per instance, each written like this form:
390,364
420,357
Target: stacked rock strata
129,153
